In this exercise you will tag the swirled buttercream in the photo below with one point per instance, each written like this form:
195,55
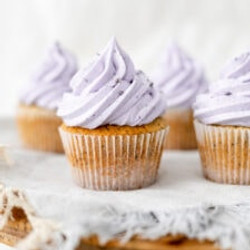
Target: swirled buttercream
228,99
111,92
179,77
51,80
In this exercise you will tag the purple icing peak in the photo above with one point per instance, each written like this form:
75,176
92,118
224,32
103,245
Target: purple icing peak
179,77
228,100
110,91
110,63
239,67
51,80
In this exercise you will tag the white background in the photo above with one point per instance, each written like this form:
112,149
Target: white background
211,30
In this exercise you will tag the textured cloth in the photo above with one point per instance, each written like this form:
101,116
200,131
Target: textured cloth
180,202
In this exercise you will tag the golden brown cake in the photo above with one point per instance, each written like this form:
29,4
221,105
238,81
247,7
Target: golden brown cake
112,134
181,78
222,124
38,128
181,134
115,157
39,100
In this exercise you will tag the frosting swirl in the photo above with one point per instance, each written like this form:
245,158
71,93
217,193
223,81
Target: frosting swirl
51,80
228,100
110,91
179,77
239,67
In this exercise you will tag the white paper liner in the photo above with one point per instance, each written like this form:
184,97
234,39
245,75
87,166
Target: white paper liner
118,162
225,153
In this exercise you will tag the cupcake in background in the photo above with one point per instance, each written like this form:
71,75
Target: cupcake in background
112,133
181,79
223,125
36,115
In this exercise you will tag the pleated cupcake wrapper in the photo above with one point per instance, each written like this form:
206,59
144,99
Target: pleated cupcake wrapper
182,134
39,130
116,162
224,152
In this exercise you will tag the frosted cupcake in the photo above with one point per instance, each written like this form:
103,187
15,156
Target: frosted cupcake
36,115
112,133
222,125
181,79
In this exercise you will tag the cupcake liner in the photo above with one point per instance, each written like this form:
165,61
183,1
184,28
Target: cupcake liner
181,134
114,162
224,152
38,129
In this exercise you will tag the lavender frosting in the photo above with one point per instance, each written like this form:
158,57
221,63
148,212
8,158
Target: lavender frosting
110,91
228,100
51,80
179,77
239,67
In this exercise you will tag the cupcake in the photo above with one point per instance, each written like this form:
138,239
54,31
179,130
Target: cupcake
181,79
36,115
222,124
112,132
